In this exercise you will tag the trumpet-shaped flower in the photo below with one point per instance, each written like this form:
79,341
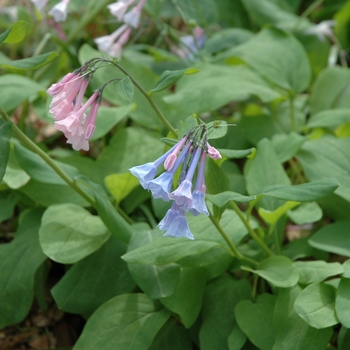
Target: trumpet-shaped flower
59,12
322,30
40,4
132,18
179,226
119,8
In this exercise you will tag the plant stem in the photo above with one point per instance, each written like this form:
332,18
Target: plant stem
235,252
252,233
149,99
276,239
32,146
292,112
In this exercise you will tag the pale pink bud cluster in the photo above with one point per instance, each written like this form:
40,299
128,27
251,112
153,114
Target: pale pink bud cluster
69,111
58,12
113,44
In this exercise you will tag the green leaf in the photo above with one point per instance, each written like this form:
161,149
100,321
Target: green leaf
271,12
168,78
204,12
15,89
156,281
330,90
271,217
256,320
265,170
92,281
292,332
330,118
5,136
172,336
315,305
19,261
120,185
69,233
30,63
223,198
278,270
306,213
342,302
344,339
215,86
186,301
306,192
38,169
333,238
126,322
317,271
8,201
237,154
220,298
109,117
293,73
166,250
115,223
15,33
346,266
328,157
287,146
236,339
124,88
217,129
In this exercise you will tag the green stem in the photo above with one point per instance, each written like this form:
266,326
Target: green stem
292,112
32,146
148,215
235,252
296,171
255,286
252,233
149,99
276,239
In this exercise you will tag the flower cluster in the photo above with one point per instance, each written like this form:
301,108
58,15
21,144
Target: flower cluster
58,12
69,111
188,153
113,44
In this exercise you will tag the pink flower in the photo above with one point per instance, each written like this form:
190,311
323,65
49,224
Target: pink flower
59,11
213,152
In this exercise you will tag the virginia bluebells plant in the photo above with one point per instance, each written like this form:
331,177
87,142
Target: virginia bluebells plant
58,12
190,153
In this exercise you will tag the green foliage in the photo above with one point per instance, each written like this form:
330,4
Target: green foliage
269,265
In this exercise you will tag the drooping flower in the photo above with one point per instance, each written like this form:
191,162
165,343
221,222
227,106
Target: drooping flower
40,4
119,8
59,12
132,18
194,149
322,30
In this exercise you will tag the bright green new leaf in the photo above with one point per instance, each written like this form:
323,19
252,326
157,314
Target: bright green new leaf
325,158
14,34
186,301
342,302
256,320
306,213
69,233
218,321
221,199
333,238
292,332
237,154
315,305
305,192
126,322
168,78
124,88
278,270
19,261
120,185
317,271
271,217
30,63
5,135
94,280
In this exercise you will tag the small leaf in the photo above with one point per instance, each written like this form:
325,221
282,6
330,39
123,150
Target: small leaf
69,233
14,34
342,302
237,154
306,192
124,89
271,217
278,270
30,63
5,135
120,185
317,271
217,129
306,213
333,238
168,78
315,304
126,322
221,199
